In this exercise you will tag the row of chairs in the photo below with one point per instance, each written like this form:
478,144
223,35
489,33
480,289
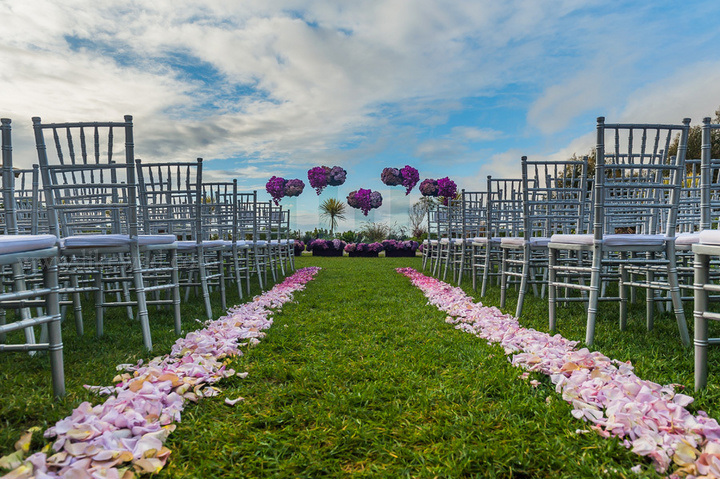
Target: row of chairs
572,234
127,233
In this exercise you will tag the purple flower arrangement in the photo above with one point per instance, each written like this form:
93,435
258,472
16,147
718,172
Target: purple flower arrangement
364,247
397,249
429,187
444,187
408,177
299,247
365,200
276,188
279,187
396,245
321,247
294,187
322,176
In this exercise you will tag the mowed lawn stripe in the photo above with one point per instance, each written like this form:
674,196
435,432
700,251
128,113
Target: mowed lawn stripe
361,378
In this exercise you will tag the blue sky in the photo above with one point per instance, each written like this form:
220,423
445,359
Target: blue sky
261,88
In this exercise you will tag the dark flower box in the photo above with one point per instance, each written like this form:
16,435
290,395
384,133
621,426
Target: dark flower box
400,254
363,254
327,252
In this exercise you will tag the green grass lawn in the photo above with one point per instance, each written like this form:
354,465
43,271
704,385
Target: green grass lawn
359,377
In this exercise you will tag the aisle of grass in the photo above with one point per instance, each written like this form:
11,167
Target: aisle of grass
360,377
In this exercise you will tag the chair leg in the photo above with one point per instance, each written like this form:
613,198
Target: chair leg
503,277
523,281
204,283
552,289
623,290
594,295
676,297
142,313
99,300
221,272
55,345
650,296
486,270
175,278
77,305
702,265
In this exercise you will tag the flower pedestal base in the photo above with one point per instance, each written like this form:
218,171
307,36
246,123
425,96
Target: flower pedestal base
400,254
363,254
327,252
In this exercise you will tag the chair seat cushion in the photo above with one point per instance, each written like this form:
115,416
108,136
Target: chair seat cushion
20,243
95,241
686,239
147,240
189,245
710,237
611,240
484,240
535,241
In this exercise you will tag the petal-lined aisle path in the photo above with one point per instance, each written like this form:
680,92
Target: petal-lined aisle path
361,378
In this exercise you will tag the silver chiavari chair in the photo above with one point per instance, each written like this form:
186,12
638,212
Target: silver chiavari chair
707,252
635,182
91,202
553,202
22,254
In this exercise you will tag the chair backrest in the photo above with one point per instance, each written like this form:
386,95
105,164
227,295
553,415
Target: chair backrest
86,190
9,221
474,211
689,210
171,198
709,177
247,216
505,207
554,197
636,184
219,211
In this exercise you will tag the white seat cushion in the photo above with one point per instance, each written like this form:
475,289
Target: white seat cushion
95,241
611,240
484,240
535,241
710,237
686,239
512,241
146,240
20,243
634,240
189,245
572,239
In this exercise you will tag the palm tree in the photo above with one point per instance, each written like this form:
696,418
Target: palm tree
332,210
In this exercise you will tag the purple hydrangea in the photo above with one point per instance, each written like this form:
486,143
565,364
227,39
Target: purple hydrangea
410,177
276,188
351,247
336,176
375,247
299,247
364,200
395,245
317,177
429,187
391,176
294,187
447,189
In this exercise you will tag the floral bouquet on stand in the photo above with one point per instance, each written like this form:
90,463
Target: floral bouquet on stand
363,250
429,187
299,247
294,187
446,189
276,188
400,249
279,187
364,200
408,177
322,176
321,247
